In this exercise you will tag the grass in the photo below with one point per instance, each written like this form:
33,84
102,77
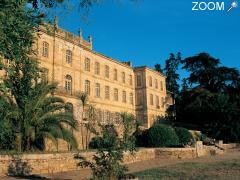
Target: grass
229,170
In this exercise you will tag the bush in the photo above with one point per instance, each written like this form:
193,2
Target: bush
95,143
141,138
184,136
162,136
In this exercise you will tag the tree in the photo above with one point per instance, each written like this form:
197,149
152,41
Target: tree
88,119
205,72
170,69
211,104
33,114
158,68
50,3
107,162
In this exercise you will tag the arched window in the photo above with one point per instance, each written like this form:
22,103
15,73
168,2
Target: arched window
97,68
131,98
139,98
44,74
123,77
115,94
87,64
106,71
124,97
150,81
87,87
97,90
115,75
161,85
68,83
139,80
151,99
156,83
68,56
130,80
107,92
157,102
45,49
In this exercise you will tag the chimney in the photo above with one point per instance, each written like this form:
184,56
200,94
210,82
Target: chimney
90,39
55,22
80,35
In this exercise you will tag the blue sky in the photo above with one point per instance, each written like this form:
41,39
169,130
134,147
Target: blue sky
146,32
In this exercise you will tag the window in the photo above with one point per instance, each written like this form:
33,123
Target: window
87,64
124,97
97,68
44,74
87,87
106,71
151,99
123,77
97,90
156,83
45,50
139,98
139,80
68,83
150,81
161,85
131,98
115,94
115,75
163,102
69,107
157,102
68,56
130,80
107,92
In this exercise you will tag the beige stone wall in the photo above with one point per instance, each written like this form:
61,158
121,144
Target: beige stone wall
61,162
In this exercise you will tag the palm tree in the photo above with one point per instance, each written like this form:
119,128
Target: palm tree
88,118
83,97
43,116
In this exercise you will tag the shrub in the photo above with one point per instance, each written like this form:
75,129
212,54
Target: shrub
162,136
184,136
141,138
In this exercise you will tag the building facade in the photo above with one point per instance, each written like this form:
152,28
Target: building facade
112,86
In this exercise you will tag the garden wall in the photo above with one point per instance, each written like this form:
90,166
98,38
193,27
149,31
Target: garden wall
60,162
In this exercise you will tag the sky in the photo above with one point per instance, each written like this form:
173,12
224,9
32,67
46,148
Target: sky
146,32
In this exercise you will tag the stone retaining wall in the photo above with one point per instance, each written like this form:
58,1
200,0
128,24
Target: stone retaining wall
61,162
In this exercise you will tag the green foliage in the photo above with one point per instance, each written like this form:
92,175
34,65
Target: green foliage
158,68
184,136
32,113
170,70
162,136
107,162
142,138
212,102
7,136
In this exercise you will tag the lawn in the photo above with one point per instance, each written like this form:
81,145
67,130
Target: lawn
229,170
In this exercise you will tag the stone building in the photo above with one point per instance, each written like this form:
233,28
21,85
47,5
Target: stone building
113,86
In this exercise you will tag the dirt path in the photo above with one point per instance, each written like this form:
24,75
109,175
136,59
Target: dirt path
144,165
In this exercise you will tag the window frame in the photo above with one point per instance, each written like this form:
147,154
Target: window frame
87,64
68,56
45,49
